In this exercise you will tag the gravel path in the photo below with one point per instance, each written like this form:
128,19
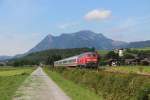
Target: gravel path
39,86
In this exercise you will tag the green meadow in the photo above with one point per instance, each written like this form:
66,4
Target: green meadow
130,69
144,49
103,52
11,79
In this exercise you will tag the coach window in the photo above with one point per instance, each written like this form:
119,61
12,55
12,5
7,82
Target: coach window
70,61
74,60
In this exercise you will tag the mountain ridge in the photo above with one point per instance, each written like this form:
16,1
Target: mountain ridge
87,38
139,44
84,38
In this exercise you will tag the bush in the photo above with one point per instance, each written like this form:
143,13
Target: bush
110,85
112,55
144,93
145,63
128,56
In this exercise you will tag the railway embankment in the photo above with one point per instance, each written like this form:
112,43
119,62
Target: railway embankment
110,86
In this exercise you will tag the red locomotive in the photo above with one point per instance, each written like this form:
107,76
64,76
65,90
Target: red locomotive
88,59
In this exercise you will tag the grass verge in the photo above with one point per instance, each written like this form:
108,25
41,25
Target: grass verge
10,80
130,69
110,86
76,92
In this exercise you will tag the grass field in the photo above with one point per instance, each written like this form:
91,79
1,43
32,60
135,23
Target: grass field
76,92
146,48
11,79
130,69
103,52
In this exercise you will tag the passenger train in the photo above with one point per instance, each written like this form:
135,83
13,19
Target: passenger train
87,60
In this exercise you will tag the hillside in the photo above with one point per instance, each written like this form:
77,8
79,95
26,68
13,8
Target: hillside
139,44
2,58
82,39
47,55
77,40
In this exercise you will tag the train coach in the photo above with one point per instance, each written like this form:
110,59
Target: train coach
87,60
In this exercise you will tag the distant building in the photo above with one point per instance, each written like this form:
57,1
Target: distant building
2,64
112,62
130,62
120,52
145,61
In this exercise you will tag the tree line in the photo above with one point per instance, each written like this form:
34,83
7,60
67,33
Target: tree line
48,56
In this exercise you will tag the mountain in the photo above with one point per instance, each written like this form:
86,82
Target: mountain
2,58
79,39
139,44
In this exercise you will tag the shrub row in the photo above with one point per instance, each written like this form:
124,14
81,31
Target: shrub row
110,86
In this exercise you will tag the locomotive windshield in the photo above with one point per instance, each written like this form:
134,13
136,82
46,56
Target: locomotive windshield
91,55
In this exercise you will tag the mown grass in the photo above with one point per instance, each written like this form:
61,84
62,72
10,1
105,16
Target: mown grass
110,86
103,52
130,69
11,79
146,48
14,71
76,92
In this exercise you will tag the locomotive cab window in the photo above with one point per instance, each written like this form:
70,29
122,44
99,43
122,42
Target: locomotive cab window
89,55
94,55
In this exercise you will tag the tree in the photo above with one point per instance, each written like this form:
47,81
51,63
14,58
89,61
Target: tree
53,58
128,56
128,50
112,55
92,49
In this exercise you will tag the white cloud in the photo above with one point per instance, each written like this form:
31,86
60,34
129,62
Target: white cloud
98,14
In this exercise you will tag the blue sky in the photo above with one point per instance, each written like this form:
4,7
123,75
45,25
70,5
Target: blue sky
23,23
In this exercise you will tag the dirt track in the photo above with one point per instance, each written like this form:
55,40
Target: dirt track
39,87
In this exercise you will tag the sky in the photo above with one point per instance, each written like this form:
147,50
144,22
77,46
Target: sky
24,23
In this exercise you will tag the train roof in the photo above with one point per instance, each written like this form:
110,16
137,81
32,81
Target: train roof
74,57
88,52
